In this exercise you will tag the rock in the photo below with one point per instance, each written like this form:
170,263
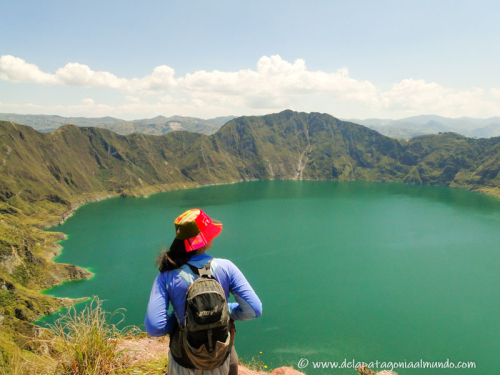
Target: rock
11,262
242,370
144,349
139,350
286,371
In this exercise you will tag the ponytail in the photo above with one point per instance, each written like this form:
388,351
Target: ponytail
175,257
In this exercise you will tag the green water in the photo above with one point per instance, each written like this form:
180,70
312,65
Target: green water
355,270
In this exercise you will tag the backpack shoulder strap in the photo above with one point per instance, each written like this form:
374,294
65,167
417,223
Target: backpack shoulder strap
203,271
194,269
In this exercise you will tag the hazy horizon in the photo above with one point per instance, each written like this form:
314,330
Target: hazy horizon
148,117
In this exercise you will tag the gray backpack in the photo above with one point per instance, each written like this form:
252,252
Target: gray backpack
206,335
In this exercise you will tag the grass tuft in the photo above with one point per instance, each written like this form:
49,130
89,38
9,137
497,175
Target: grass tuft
85,343
81,343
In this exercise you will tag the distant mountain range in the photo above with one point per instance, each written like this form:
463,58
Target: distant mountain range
410,127
155,126
406,128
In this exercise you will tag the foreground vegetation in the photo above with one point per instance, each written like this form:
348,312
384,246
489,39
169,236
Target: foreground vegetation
89,343
44,176
82,343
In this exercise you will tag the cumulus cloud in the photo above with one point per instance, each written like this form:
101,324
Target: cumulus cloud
418,96
162,78
274,76
411,94
276,81
88,101
14,69
274,84
496,92
74,74
132,99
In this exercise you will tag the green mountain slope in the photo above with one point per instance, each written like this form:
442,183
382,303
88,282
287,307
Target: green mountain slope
43,176
65,165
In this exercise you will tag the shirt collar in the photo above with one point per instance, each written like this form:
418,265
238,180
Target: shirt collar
199,260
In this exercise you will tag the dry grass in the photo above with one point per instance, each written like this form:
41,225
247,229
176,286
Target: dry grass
15,365
83,343
256,364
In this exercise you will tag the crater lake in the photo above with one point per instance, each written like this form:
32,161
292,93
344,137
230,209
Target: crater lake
360,271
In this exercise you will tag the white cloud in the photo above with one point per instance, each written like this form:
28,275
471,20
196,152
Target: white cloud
132,99
412,96
14,69
274,84
74,74
88,101
162,78
274,76
495,92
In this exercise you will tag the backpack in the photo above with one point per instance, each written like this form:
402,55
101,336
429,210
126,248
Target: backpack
205,338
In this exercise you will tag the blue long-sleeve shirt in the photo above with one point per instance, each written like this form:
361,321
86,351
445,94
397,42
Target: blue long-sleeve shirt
171,287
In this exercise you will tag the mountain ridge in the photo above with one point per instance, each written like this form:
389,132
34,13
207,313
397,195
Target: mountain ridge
45,176
405,128
251,142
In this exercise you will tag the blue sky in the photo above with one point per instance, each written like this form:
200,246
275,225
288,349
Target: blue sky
355,59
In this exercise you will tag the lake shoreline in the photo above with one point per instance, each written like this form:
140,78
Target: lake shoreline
147,192
377,234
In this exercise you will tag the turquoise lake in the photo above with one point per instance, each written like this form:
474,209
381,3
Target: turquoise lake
360,271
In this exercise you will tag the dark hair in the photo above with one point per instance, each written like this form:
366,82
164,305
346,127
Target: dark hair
174,257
